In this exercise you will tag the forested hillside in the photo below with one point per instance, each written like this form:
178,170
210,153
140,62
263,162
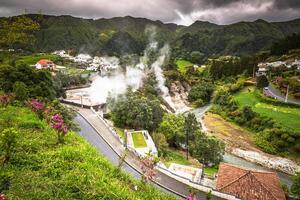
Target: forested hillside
123,35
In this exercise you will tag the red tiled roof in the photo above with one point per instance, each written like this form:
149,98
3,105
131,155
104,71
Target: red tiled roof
249,184
45,62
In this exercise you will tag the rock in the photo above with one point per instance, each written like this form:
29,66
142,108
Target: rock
273,162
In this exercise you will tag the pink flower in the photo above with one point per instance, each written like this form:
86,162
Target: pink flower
57,118
2,196
36,105
191,197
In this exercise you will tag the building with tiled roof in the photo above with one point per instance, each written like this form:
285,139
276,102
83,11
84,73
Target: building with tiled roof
45,64
249,184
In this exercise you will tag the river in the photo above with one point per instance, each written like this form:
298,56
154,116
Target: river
232,159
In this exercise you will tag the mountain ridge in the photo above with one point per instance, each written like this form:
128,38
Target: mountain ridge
101,35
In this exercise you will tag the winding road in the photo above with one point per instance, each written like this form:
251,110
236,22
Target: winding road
279,96
163,182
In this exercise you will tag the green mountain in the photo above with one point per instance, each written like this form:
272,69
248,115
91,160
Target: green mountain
121,35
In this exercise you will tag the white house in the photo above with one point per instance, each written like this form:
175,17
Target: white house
83,58
262,71
45,64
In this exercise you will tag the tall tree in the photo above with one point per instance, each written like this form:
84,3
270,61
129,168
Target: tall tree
207,150
190,128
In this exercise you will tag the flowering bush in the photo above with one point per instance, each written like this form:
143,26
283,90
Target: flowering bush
2,196
148,168
57,123
191,197
36,105
5,99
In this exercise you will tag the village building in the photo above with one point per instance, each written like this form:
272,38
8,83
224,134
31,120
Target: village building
249,184
262,71
191,173
45,64
144,146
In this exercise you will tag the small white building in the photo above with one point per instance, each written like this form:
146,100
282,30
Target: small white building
83,58
45,64
262,71
149,148
187,172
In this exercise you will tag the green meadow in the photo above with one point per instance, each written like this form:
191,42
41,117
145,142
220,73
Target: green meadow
288,117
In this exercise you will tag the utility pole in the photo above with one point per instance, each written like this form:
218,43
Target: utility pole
187,145
125,139
287,94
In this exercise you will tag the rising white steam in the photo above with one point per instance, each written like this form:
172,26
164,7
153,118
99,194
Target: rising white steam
115,84
119,81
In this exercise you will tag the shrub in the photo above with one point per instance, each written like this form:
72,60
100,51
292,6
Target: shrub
8,141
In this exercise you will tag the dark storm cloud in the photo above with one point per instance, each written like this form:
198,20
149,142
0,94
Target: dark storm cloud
178,11
287,3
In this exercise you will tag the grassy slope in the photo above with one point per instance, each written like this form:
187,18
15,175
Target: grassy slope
288,117
182,65
33,59
138,140
41,169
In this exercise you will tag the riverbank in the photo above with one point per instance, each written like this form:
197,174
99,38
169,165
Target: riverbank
238,142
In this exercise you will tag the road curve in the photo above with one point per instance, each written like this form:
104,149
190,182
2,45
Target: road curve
280,97
163,181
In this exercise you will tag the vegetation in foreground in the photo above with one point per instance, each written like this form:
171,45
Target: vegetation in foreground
47,170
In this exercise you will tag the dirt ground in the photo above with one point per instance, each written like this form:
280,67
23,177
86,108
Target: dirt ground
231,134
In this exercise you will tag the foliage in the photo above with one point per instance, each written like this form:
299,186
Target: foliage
74,170
247,110
57,123
135,111
6,99
286,44
148,168
21,91
194,42
172,126
295,189
17,30
191,126
38,82
182,65
8,142
262,81
207,150
201,92
161,143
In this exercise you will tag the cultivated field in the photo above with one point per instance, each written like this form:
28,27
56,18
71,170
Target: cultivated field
288,117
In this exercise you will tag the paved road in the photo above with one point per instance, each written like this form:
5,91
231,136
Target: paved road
88,132
279,96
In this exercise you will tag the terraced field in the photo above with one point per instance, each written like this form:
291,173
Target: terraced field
287,116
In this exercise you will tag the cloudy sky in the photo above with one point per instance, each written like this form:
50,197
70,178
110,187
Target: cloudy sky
178,11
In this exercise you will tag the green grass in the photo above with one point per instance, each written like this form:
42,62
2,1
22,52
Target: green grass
182,65
210,171
288,117
34,58
174,156
120,132
41,169
138,140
